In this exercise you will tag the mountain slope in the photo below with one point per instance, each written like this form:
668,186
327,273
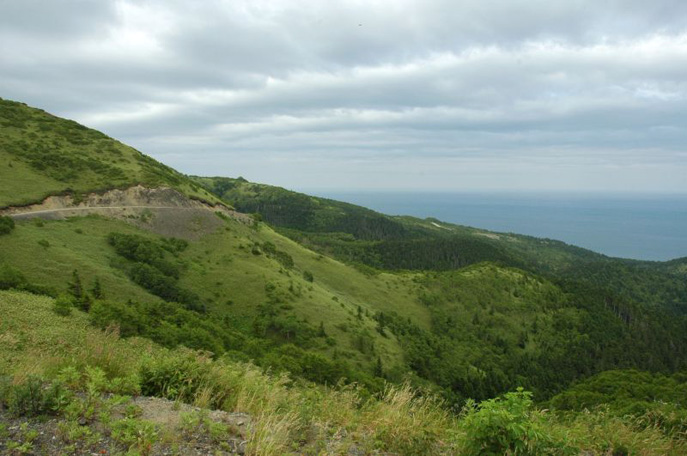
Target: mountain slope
358,235
42,155
93,393
322,289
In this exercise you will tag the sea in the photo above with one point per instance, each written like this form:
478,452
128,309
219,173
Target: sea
643,227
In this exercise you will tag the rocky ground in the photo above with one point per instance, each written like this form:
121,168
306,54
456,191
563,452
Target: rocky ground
143,425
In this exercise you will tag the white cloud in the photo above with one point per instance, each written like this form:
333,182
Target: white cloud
312,93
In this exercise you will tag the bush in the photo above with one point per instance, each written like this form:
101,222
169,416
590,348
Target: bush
137,435
11,278
6,225
176,376
34,398
107,313
505,425
63,305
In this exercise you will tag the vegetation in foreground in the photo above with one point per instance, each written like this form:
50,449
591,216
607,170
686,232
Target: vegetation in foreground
61,367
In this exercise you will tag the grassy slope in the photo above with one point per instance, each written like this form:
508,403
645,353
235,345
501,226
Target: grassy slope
221,267
590,313
75,244
487,305
35,340
355,234
286,418
455,325
41,155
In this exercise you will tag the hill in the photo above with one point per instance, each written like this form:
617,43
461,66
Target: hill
325,291
79,390
361,236
43,155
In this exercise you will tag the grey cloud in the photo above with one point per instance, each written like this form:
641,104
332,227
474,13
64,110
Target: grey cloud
284,91
52,20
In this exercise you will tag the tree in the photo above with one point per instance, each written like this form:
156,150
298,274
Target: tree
75,288
379,368
81,298
97,290
381,323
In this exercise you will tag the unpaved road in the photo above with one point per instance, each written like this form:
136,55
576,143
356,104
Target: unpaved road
87,209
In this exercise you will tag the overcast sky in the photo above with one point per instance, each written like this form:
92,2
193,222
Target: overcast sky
441,95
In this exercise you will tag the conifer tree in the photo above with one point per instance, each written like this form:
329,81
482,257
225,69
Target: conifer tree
379,369
97,290
75,288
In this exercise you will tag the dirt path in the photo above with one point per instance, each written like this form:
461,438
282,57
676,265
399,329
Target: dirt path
93,208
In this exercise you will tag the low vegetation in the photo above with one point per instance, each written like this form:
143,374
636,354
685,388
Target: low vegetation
87,379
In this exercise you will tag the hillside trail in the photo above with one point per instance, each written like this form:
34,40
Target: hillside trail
30,214
162,210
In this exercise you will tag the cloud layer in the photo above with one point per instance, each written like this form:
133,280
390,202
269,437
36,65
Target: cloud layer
370,94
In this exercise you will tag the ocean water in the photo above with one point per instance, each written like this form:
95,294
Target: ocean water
646,227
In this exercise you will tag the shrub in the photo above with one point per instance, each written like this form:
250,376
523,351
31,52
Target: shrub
34,398
284,259
137,435
63,305
505,425
176,376
6,225
106,313
11,278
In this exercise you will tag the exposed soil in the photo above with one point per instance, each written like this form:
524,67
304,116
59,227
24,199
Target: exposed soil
48,436
162,210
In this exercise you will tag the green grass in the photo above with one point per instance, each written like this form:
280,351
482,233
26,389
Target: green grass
286,417
474,332
35,340
75,244
222,269
42,155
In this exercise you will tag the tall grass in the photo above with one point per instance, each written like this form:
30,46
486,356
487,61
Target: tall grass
288,416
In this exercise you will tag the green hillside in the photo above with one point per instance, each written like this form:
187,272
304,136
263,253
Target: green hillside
69,388
42,155
358,235
328,292
251,301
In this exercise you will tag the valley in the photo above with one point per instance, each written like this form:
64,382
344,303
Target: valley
231,286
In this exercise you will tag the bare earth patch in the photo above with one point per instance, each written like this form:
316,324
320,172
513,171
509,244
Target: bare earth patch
164,210
177,434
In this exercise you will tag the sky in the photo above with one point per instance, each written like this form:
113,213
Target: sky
443,95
